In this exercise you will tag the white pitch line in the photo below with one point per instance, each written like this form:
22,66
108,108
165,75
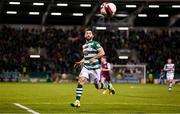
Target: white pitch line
124,103
26,108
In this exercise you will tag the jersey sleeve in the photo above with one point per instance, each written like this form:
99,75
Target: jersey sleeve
173,67
97,45
164,67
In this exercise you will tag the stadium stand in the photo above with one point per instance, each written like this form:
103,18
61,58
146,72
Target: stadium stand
63,48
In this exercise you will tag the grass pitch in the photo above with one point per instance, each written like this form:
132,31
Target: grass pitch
55,98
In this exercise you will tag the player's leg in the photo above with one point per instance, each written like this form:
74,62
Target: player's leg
100,85
103,79
79,90
108,80
104,86
96,76
160,80
170,81
170,85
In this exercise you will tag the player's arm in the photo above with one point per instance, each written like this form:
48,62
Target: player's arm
98,55
173,69
165,69
78,63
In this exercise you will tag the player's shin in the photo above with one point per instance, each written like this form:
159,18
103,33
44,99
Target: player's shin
79,91
170,84
104,86
100,85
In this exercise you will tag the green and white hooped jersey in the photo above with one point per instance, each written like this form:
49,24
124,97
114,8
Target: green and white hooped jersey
170,68
90,49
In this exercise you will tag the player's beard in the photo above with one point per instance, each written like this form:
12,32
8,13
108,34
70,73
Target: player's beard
89,39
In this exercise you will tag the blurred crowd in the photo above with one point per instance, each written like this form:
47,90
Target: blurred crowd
152,47
63,48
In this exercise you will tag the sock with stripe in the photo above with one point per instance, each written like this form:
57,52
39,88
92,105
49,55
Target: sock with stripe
105,86
79,91
170,85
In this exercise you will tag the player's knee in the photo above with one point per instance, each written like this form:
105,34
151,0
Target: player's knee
81,81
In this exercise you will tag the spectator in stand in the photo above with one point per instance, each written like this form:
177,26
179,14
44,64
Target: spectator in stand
153,46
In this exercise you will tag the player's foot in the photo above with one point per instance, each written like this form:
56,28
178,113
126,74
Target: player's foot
104,91
111,90
170,89
76,104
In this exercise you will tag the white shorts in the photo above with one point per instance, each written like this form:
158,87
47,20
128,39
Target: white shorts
170,76
93,74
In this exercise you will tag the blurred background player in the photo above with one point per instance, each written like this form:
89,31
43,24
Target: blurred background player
105,72
169,68
162,77
92,52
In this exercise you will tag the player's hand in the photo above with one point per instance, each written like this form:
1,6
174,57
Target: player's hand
92,60
103,69
77,64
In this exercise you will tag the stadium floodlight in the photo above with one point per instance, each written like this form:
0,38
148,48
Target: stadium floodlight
123,28
11,12
56,13
14,3
62,4
153,6
163,15
77,14
38,4
175,6
123,57
142,15
33,13
34,56
85,5
100,28
130,6
121,15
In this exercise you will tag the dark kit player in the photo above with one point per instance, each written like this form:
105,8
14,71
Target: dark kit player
105,72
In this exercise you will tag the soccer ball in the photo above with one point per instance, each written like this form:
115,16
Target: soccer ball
108,9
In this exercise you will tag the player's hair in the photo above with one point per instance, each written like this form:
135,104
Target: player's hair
92,30
88,29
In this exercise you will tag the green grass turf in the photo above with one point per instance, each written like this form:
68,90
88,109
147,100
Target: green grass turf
55,98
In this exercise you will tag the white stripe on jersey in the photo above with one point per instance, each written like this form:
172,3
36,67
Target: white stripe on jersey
90,55
91,67
89,49
170,68
87,44
87,61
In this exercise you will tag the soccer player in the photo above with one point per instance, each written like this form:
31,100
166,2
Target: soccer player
105,72
169,68
161,76
92,52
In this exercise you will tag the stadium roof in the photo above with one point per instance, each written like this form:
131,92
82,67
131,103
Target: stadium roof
86,12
